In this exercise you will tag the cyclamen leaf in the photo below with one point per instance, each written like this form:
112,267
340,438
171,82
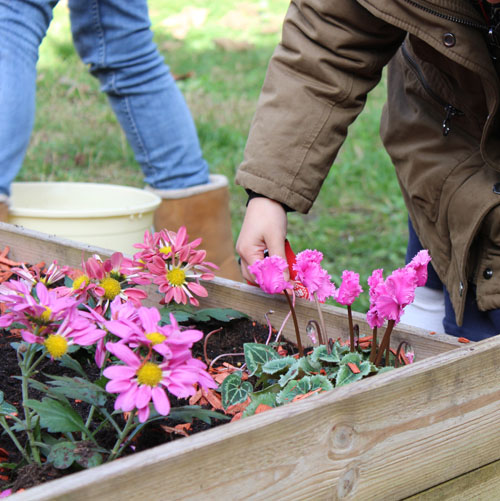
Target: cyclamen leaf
256,400
257,354
234,390
278,365
292,372
56,416
346,376
321,353
303,386
307,366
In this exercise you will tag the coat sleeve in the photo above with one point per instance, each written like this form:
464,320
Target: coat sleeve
331,55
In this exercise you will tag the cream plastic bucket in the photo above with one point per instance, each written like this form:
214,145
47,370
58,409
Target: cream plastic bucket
105,215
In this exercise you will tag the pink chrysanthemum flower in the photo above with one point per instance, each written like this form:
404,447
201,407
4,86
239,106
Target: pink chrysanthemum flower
45,308
74,329
179,279
49,277
142,380
312,275
397,292
269,274
419,264
349,289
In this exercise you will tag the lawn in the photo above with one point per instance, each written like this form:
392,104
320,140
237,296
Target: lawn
222,49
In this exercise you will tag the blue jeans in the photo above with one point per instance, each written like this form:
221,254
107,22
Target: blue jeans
113,37
477,325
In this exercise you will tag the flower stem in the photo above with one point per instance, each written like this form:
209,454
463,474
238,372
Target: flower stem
351,328
295,324
26,371
9,432
323,333
373,351
385,342
122,436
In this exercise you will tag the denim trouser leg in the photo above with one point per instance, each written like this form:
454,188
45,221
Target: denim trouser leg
115,39
23,24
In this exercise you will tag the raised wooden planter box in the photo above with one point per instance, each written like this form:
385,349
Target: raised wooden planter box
429,426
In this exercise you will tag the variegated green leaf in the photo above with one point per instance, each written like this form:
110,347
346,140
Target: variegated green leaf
234,390
257,354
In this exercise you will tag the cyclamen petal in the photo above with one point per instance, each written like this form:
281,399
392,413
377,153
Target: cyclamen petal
349,289
419,264
268,274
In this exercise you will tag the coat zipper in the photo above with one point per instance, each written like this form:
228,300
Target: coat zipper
491,31
450,110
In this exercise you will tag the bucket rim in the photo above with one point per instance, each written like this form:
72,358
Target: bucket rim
55,213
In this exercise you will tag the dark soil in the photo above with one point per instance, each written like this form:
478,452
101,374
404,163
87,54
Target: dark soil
229,339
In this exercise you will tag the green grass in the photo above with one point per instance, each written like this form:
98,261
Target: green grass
359,219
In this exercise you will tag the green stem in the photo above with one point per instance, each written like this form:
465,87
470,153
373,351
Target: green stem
122,436
295,324
25,373
108,418
9,432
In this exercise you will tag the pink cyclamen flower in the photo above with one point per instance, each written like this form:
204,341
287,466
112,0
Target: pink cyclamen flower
141,381
419,264
269,274
349,289
397,292
312,275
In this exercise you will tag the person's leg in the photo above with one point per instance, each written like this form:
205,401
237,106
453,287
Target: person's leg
115,39
23,25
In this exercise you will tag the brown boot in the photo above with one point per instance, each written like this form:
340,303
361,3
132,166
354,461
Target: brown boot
204,211
4,212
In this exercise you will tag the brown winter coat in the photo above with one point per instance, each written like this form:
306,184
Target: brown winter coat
440,78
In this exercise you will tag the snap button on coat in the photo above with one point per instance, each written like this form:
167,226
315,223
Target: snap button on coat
449,39
487,273
496,188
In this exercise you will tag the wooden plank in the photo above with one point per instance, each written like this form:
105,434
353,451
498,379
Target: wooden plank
385,437
483,483
32,246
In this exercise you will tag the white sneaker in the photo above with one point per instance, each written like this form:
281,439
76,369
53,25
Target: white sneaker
427,311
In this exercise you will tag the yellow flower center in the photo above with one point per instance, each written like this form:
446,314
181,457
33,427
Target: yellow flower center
80,281
156,337
111,287
45,316
149,374
56,345
166,249
176,277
